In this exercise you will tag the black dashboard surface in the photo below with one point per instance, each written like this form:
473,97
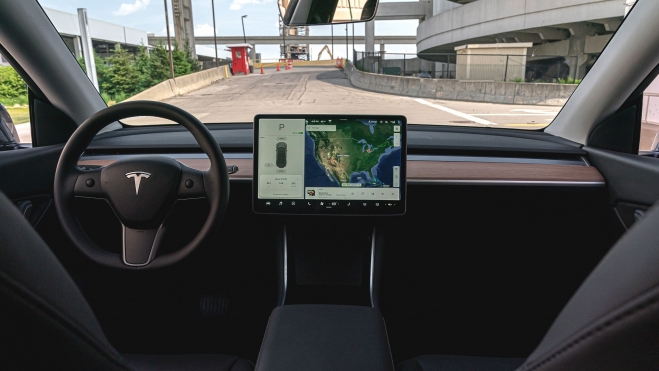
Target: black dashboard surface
422,139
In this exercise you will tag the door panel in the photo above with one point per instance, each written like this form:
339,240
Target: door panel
632,181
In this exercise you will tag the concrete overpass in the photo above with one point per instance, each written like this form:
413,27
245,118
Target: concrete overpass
576,28
277,40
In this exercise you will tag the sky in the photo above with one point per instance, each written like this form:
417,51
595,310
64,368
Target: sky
262,20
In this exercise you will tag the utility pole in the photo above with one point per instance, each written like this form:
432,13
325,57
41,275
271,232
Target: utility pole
283,34
217,62
169,43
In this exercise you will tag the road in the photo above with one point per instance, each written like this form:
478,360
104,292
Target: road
327,90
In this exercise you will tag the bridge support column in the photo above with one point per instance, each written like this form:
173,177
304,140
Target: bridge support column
184,25
369,41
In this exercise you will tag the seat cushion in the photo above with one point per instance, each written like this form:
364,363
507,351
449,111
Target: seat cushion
187,362
459,363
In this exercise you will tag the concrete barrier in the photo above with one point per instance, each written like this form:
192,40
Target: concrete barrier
182,85
462,90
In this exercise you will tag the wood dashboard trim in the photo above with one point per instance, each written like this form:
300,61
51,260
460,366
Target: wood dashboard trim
432,172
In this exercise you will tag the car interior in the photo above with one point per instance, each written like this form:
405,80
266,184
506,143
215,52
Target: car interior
169,247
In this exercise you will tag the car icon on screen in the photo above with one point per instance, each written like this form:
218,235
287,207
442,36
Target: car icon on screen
281,155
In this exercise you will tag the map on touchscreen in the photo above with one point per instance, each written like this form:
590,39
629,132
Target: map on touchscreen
356,153
330,158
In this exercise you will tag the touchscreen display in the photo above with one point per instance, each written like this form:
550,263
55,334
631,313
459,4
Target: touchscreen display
329,164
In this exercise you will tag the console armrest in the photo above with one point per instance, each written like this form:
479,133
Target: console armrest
325,337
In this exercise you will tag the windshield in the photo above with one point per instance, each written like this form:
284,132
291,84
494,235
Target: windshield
444,63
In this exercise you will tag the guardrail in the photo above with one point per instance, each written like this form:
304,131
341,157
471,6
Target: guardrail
462,90
183,84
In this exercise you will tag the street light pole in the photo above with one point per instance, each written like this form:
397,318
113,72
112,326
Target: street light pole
169,42
347,41
353,42
332,41
242,19
217,62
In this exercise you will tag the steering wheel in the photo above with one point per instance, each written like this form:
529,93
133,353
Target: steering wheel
141,190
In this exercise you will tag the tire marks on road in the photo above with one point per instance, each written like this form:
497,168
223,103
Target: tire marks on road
299,89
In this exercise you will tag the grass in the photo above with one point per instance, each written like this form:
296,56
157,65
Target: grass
19,115
9,102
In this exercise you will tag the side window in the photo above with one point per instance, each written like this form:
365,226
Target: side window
14,110
650,118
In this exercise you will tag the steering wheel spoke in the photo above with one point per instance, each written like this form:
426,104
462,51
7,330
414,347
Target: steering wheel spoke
140,245
192,184
88,184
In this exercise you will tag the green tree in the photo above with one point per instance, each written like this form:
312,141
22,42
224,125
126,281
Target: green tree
11,83
124,78
153,67
181,64
194,62
101,70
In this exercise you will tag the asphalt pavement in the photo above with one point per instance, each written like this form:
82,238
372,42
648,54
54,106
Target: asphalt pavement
328,90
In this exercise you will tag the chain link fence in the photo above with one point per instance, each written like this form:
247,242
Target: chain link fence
490,67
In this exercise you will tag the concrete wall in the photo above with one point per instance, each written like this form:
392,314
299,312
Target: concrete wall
472,91
182,85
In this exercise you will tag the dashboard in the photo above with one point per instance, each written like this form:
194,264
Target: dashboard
329,164
437,156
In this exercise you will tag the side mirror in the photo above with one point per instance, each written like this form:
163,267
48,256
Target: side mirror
320,12
8,133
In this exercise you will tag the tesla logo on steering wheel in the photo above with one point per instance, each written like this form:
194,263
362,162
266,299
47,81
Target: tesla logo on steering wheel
137,175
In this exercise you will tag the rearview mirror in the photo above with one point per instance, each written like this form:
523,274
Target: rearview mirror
319,12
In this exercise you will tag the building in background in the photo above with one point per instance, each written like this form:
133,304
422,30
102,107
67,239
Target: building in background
106,35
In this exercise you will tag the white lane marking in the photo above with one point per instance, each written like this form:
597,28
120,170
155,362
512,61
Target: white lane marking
456,113
515,114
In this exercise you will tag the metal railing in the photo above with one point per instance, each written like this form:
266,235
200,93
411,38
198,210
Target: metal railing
490,67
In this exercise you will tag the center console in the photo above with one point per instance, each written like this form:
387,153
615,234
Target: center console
325,337
308,169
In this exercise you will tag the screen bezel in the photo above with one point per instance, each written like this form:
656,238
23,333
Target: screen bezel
399,207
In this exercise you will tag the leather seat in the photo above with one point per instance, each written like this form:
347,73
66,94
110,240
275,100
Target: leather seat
46,324
610,323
